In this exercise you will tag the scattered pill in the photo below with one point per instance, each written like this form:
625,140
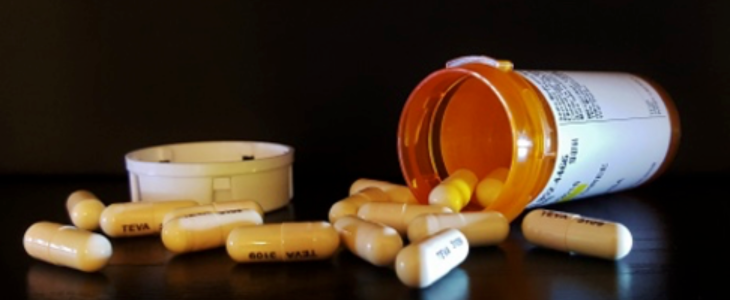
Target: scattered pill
138,218
218,207
207,230
396,192
480,228
455,191
376,243
67,246
421,264
491,186
283,242
350,205
84,209
397,215
574,233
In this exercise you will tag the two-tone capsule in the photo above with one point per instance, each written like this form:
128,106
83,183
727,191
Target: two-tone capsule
421,264
283,242
376,243
491,186
206,230
480,228
396,192
67,246
397,215
455,191
350,205
138,218
215,207
84,209
576,234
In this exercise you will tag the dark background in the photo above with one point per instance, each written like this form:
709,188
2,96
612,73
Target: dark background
84,82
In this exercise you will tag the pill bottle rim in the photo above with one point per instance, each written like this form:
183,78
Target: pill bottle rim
531,121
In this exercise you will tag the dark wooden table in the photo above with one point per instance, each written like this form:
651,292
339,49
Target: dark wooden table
675,223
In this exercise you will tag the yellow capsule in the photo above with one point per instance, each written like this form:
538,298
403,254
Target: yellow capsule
67,246
455,191
350,205
397,215
206,230
376,243
484,228
84,209
283,242
218,207
138,218
396,192
491,186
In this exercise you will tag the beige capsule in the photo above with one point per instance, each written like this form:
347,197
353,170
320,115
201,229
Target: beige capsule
397,215
283,242
84,209
396,192
491,186
350,205
202,231
480,228
234,205
376,243
67,246
138,218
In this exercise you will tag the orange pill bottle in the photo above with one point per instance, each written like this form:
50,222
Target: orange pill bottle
561,135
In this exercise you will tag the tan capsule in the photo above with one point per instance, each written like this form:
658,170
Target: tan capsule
350,205
138,218
455,191
421,264
397,215
202,231
283,242
574,233
480,228
235,205
396,192
491,186
376,243
67,246
84,209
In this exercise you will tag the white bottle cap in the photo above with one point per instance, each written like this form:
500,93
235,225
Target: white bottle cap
213,171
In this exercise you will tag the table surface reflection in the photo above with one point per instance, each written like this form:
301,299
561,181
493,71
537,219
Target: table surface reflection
659,266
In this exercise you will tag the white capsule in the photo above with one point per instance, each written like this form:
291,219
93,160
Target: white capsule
491,186
574,233
455,191
84,209
67,246
373,242
480,228
397,215
283,242
350,205
423,263
396,192
205,230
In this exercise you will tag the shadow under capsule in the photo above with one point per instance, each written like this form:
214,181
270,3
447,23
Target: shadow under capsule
45,281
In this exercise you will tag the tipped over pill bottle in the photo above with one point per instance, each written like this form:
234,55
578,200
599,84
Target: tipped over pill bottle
561,135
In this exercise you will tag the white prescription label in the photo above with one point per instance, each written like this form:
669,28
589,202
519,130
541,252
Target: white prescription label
613,132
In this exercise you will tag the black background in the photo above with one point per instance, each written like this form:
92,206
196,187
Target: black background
84,82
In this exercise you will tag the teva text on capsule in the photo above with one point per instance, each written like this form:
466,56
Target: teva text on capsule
235,205
205,230
396,192
574,233
455,191
397,215
484,228
423,263
67,246
138,218
491,186
283,242
84,209
351,204
376,243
